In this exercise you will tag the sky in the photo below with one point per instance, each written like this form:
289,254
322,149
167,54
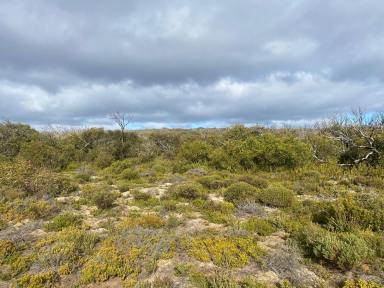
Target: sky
181,63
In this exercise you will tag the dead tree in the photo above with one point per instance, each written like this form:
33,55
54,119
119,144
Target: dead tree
122,120
359,134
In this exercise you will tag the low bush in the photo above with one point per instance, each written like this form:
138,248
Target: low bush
145,221
62,221
188,191
344,250
360,283
129,174
40,280
224,251
29,180
255,181
66,248
214,182
241,193
196,151
104,200
260,226
346,214
277,196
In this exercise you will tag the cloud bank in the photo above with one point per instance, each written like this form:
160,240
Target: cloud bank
189,63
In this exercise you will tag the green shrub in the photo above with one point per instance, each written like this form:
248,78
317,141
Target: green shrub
63,221
360,283
196,151
214,182
41,154
67,247
138,195
30,180
145,221
104,200
40,280
255,181
346,214
258,225
188,191
345,250
129,174
224,251
240,193
277,196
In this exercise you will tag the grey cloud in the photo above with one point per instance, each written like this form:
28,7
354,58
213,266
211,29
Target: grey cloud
189,61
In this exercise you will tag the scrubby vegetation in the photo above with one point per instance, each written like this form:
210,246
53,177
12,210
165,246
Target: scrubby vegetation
236,207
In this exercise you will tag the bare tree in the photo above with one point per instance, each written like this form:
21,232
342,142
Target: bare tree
122,120
359,133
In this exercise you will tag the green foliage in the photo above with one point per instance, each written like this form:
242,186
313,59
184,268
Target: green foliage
277,196
224,251
41,154
268,151
196,151
127,254
29,180
345,250
260,226
28,208
188,191
100,195
13,136
240,193
104,200
129,174
145,221
360,283
346,215
62,221
255,181
214,182
66,248
41,280
216,212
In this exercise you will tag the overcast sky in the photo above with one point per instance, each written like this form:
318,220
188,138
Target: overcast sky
189,63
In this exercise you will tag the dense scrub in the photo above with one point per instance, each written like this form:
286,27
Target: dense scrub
236,207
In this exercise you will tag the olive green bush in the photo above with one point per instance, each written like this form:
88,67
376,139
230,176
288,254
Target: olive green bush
344,250
240,193
277,196
188,191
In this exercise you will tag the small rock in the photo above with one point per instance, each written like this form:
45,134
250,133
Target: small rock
197,172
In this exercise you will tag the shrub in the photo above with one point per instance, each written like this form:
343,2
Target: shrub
196,151
42,154
360,283
138,195
29,180
129,174
277,196
107,263
241,193
40,280
346,215
13,136
29,208
255,181
258,225
345,250
188,191
145,221
224,251
214,182
67,247
104,200
62,221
